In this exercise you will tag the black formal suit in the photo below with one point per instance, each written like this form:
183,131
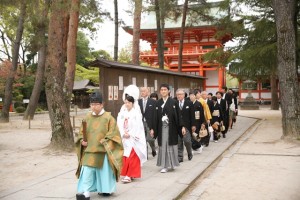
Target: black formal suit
149,120
222,103
150,112
234,99
210,104
187,116
228,99
171,110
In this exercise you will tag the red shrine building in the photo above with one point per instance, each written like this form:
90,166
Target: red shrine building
199,38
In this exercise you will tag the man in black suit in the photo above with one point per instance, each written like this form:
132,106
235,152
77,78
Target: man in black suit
167,130
187,116
228,99
148,109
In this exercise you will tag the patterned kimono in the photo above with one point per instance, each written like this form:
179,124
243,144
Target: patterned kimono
217,117
99,164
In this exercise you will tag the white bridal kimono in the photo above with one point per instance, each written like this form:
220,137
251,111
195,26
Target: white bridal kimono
135,128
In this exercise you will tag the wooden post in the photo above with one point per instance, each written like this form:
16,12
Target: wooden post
29,122
73,122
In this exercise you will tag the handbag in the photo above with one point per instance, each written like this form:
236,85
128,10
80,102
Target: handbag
222,128
215,126
195,136
210,129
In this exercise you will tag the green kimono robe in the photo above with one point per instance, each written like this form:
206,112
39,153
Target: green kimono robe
100,127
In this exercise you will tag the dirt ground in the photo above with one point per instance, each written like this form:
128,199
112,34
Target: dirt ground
263,167
24,152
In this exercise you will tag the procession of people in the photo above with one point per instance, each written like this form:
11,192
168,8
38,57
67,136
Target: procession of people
110,150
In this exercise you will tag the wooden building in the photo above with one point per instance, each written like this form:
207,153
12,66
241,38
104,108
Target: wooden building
259,85
199,39
80,93
114,77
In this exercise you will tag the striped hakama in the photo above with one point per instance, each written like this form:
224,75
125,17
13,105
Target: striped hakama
167,154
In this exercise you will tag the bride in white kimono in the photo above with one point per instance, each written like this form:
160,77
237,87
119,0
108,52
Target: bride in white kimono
133,137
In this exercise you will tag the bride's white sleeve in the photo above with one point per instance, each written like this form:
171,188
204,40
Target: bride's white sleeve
120,123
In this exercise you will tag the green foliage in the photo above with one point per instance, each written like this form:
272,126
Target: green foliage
27,83
39,109
20,109
254,56
125,55
17,96
18,104
91,74
102,54
82,48
91,15
84,53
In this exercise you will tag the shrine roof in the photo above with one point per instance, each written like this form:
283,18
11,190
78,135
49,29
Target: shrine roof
83,84
149,22
146,69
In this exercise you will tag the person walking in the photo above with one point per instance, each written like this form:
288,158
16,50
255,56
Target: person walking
187,116
132,132
217,118
233,109
222,104
167,130
207,114
228,99
148,109
99,150
197,146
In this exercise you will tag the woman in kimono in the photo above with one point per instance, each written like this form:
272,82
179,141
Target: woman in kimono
217,118
133,136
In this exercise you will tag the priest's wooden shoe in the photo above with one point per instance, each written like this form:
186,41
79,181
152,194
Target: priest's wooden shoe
81,197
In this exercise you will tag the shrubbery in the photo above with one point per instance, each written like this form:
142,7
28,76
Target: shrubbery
20,109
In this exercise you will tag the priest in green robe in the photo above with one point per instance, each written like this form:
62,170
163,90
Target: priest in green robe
100,151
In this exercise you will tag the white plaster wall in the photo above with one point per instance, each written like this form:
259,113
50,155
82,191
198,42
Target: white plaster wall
213,90
266,95
213,78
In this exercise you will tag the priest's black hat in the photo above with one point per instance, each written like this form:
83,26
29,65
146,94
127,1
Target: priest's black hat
96,97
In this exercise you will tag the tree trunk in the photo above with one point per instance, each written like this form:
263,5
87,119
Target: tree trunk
159,49
71,50
62,133
285,18
185,7
39,77
136,32
11,77
116,47
274,92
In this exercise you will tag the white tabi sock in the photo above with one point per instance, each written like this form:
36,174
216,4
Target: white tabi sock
86,194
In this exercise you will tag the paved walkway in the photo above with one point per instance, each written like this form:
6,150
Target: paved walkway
152,185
